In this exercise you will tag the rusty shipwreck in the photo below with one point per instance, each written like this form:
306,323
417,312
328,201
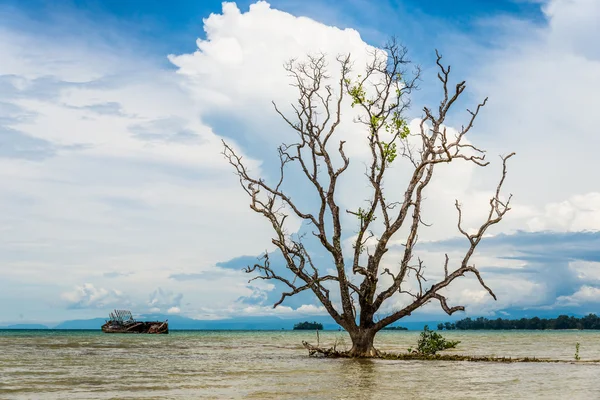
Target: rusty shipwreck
121,321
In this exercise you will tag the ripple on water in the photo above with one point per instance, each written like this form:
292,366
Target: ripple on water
272,365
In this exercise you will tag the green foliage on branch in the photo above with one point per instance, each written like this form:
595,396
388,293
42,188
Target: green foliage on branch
364,216
391,120
398,124
389,152
356,92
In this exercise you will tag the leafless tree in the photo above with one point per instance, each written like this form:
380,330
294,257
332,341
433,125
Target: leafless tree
382,95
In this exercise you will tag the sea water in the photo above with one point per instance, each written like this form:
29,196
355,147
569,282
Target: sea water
274,365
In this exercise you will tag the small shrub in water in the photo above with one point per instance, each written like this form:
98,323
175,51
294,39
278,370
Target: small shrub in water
431,342
577,358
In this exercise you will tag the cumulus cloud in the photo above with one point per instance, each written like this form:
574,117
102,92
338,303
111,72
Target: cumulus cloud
108,159
540,80
585,295
573,25
284,311
587,271
241,59
539,115
162,299
526,270
88,296
578,213
257,297
144,176
545,127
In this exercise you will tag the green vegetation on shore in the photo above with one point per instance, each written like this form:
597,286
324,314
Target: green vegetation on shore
308,326
591,321
431,342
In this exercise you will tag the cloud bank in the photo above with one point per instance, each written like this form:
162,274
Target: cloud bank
114,191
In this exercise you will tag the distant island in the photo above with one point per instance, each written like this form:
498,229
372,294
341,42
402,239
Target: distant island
308,326
395,328
591,321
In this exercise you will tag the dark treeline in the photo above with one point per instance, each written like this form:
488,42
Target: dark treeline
308,326
590,321
395,328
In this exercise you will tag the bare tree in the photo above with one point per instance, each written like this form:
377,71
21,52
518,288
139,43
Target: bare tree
382,95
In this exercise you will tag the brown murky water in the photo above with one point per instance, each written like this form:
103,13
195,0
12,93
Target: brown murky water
273,365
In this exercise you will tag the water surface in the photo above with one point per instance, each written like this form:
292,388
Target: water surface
273,365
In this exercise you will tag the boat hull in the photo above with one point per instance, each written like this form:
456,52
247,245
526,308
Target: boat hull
159,328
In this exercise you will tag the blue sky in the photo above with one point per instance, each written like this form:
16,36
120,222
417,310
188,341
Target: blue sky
114,193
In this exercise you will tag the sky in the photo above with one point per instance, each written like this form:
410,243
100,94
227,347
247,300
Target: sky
114,192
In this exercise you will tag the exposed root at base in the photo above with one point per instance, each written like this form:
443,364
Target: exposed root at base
320,351
333,353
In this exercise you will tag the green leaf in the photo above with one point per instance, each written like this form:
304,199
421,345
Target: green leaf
431,342
389,152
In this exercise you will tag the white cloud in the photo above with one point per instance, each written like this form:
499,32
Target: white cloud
284,311
513,289
532,110
578,213
122,172
574,26
240,63
586,271
88,296
174,310
511,293
164,299
542,81
103,194
585,295
257,297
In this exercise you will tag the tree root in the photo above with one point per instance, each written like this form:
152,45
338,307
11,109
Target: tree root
315,351
320,351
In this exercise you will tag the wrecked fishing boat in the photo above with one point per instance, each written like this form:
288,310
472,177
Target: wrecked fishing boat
121,321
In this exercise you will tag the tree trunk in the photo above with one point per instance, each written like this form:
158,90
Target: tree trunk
362,343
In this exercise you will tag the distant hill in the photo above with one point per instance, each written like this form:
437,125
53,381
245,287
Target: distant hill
25,326
178,322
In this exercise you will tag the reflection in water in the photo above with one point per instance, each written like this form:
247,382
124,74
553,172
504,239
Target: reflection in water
360,374
273,365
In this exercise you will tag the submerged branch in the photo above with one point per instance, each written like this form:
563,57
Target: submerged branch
315,351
